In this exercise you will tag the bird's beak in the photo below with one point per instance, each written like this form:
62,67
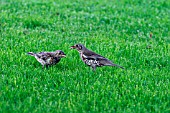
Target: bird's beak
73,47
64,55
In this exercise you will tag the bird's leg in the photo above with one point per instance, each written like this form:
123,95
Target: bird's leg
42,66
94,68
47,66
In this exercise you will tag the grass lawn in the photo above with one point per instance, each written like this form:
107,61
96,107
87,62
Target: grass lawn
132,33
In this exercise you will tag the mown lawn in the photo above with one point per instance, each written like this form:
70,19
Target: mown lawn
132,33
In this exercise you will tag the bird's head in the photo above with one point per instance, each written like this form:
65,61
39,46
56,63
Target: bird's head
60,54
79,47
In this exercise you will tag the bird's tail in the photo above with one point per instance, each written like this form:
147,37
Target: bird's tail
118,66
31,53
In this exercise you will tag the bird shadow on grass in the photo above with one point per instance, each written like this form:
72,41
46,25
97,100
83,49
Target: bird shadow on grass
59,67
108,71
39,66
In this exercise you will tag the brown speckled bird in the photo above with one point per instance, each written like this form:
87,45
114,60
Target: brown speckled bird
48,58
92,59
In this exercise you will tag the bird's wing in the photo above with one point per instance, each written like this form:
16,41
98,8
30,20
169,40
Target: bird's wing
92,55
103,61
44,55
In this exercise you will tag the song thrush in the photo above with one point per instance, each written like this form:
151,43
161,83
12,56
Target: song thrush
48,58
92,59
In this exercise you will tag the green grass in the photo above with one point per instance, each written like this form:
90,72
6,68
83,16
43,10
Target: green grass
118,30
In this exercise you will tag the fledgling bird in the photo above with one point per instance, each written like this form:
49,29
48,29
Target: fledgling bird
48,58
92,59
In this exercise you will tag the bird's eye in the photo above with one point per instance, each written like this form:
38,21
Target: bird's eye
80,47
76,45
